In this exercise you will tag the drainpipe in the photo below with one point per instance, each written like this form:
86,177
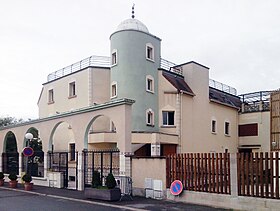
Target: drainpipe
179,104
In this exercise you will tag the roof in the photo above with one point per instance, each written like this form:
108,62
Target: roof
178,82
224,98
133,24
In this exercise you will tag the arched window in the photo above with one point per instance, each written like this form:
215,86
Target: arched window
150,117
149,83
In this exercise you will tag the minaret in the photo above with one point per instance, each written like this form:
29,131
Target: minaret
135,54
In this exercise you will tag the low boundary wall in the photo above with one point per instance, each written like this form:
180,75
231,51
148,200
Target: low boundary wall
226,201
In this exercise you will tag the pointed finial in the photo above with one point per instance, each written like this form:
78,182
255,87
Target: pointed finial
133,11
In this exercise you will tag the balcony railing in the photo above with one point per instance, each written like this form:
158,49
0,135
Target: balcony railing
222,87
170,66
98,61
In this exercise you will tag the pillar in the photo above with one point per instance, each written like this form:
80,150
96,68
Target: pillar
20,169
80,167
124,141
233,174
1,167
45,164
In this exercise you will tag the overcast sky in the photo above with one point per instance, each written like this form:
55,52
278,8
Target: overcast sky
239,40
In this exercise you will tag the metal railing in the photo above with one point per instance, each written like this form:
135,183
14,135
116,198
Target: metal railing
170,66
222,87
98,61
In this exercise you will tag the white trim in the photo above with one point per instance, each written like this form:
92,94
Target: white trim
150,78
213,132
174,118
227,134
72,93
116,57
150,112
149,45
114,83
51,97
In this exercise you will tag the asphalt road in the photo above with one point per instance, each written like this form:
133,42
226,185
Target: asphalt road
18,200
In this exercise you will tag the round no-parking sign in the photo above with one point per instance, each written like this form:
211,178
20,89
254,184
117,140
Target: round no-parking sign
28,151
176,187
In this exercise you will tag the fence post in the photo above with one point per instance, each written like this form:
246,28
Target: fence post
233,174
46,157
1,161
80,171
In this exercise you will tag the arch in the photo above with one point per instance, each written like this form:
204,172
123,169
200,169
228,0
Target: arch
10,154
10,147
87,130
61,129
34,164
52,134
99,124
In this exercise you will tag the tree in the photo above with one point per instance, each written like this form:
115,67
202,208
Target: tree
5,121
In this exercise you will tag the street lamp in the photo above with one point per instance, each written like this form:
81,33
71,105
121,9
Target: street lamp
29,137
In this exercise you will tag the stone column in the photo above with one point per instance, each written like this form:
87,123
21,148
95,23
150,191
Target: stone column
80,167
233,175
124,141
45,164
20,169
1,167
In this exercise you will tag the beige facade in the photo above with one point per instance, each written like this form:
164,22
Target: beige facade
261,141
91,85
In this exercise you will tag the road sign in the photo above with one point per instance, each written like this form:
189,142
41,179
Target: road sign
176,187
28,151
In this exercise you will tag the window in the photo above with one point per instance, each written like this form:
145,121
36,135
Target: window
214,126
168,118
149,84
150,117
72,89
150,52
114,57
227,128
51,96
114,90
248,130
72,152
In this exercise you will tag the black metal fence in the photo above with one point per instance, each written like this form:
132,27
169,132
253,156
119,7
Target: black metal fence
104,161
64,162
34,164
10,162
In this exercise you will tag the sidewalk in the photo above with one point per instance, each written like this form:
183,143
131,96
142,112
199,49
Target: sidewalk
137,202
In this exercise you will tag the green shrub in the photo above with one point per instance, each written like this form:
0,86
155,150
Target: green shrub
12,176
27,178
2,175
110,181
96,181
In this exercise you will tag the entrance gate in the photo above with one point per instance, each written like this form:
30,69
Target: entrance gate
103,161
66,163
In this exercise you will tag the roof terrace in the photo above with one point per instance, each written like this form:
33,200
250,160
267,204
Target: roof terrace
104,61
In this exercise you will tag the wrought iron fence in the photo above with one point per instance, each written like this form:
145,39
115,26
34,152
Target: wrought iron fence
10,162
104,161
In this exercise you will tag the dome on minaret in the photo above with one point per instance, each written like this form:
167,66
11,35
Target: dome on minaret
132,24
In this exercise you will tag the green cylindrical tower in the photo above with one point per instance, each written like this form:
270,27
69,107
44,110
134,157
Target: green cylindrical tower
135,55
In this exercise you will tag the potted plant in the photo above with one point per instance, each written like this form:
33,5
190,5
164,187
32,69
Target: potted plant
27,182
108,192
2,178
13,180
110,181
